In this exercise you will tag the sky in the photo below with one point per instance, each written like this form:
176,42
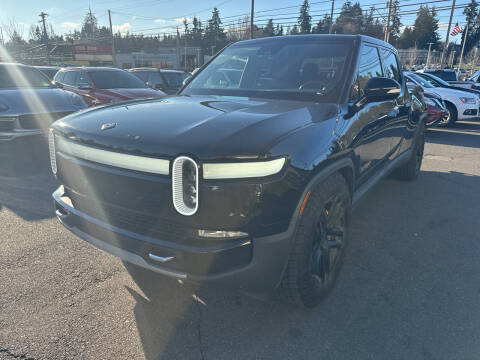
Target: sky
159,16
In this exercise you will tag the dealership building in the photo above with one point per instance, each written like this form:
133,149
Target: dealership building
186,58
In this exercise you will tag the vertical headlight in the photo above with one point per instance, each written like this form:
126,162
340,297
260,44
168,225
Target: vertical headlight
185,185
51,148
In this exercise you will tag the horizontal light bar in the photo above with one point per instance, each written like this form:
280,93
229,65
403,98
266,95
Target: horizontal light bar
220,234
242,169
126,161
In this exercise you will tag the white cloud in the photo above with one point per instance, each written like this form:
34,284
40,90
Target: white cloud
70,25
122,28
172,21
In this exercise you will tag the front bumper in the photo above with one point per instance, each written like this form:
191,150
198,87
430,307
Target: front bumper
251,265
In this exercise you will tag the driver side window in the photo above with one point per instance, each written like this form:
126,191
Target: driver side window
369,66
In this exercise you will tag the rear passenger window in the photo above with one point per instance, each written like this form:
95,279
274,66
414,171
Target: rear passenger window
369,66
70,77
390,65
154,78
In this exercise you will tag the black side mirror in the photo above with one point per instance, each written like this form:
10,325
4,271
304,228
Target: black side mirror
382,88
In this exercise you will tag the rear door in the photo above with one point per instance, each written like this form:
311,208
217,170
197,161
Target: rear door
370,127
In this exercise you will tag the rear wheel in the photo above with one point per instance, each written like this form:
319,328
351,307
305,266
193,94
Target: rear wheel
411,169
320,243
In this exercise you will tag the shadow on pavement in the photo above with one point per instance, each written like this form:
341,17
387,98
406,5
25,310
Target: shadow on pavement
26,180
463,134
408,290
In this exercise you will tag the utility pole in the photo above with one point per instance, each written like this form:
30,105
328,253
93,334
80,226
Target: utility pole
428,55
445,47
114,60
387,27
45,36
331,18
252,9
463,48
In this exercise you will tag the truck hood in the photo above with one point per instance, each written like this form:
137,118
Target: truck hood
36,101
204,127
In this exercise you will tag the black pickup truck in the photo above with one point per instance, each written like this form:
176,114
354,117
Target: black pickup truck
247,177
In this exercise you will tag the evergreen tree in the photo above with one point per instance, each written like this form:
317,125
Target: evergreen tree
323,25
304,19
215,37
268,30
472,14
279,30
350,20
89,25
407,39
294,30
372,26
425,28
395,23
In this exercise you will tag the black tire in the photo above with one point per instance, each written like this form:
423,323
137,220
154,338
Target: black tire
411,169
319,244
452,115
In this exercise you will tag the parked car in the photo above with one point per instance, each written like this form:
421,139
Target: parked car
460,105
103,85
169,81
437,82
49,71
451,77
29,102
243,181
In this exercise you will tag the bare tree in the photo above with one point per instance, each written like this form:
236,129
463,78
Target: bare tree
14,31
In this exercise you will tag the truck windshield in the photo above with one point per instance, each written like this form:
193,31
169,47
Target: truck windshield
290,69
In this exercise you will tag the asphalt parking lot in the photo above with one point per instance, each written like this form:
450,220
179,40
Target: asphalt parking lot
409,289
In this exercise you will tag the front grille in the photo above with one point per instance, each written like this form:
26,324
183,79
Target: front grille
140,223
7,125
40,121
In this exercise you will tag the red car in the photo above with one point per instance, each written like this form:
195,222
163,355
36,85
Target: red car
103,85
436,110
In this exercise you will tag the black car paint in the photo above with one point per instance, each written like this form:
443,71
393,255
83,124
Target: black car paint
363,142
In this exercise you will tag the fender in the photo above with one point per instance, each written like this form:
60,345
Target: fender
345,162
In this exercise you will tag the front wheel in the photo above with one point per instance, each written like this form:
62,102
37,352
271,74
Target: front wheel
320,243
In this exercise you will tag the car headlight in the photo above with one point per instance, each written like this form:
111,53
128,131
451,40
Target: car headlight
467,100
243,169
77,100
51,148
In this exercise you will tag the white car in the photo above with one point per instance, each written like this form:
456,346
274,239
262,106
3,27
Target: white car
461,105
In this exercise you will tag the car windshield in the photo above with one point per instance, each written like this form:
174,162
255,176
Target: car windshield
174,79
445,75
420,81
296,68
12,76
116,80
435,80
